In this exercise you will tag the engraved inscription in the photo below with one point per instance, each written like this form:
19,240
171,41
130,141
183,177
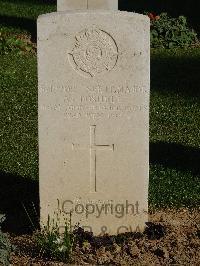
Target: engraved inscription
94,52
100,101
93,147
120,89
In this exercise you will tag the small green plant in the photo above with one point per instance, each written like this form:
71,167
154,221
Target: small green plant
11,42
167,32
53,242
5,246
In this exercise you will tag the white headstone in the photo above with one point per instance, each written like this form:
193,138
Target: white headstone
94,118
64,5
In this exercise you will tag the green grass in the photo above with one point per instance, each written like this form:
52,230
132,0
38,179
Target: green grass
174,114
25,8
174,128
19,16
175,87
18,108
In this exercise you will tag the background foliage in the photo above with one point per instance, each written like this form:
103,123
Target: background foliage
167,32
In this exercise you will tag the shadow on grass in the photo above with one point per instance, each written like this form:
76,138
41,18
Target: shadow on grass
16,193
26,24
175,156
39,2
177,73
174,176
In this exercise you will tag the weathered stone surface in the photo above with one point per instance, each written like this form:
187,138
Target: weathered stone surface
94,118
64,5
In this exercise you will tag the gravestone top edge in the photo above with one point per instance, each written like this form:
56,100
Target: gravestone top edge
92,12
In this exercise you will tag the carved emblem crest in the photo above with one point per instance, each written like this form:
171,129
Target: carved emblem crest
94,52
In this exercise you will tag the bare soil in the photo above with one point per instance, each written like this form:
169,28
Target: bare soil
171,238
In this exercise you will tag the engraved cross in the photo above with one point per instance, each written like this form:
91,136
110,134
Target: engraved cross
93,148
